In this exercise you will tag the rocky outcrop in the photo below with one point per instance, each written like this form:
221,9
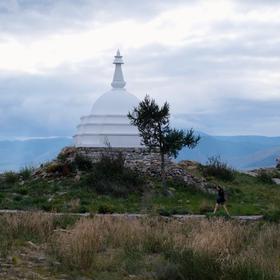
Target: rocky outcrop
143,161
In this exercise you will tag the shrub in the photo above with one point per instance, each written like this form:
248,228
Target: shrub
82,162
78,248
105,208
11,177
62,157
216,168
164,212
264,177
179,211
194,265
272,216
110,177
23,190
111,165
25,173
18,198
46,206
58,168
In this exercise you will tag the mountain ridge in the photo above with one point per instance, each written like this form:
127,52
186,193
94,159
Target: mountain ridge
240,152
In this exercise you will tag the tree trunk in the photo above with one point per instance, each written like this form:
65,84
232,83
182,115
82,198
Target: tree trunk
163,175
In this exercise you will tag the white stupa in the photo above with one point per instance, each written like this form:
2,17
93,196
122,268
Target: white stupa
107,124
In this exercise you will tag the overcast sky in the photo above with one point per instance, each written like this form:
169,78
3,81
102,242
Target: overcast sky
216,62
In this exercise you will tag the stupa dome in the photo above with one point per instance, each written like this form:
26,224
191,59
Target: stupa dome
107,123
115,102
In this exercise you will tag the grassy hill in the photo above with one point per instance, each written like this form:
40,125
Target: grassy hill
41,245
110,188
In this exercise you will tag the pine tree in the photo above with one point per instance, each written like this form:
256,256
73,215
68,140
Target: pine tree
153,124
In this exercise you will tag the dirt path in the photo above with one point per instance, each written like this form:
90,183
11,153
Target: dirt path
134,216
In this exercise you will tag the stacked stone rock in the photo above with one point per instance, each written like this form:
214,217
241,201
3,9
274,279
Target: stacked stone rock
142,161
139,159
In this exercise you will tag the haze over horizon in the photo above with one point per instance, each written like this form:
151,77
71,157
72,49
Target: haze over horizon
216,62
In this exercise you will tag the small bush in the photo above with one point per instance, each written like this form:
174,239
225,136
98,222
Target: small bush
18,198
193,265
105,209
216,168
111,165
264,177
23,191
164,212
11,177
180,211
62,157
25,173
82,162
46,206
58,168
78,249
110,177
272,216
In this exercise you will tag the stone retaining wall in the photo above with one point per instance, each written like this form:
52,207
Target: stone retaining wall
139,159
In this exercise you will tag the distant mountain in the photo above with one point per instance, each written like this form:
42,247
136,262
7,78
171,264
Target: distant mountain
15,154
241,152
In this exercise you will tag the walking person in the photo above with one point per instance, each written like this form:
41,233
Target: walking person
221,201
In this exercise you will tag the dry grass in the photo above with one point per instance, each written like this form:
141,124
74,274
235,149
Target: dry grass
36,224
155,247
228,242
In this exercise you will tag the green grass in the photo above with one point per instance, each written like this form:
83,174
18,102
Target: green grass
247,195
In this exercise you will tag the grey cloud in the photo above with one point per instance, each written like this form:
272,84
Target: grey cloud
38,17
213,82
236,117
45,106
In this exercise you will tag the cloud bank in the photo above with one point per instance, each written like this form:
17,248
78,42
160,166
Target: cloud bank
216,62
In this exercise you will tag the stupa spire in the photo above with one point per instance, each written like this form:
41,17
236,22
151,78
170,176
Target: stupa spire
118,80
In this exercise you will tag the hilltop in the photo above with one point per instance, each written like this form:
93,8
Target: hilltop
108,187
